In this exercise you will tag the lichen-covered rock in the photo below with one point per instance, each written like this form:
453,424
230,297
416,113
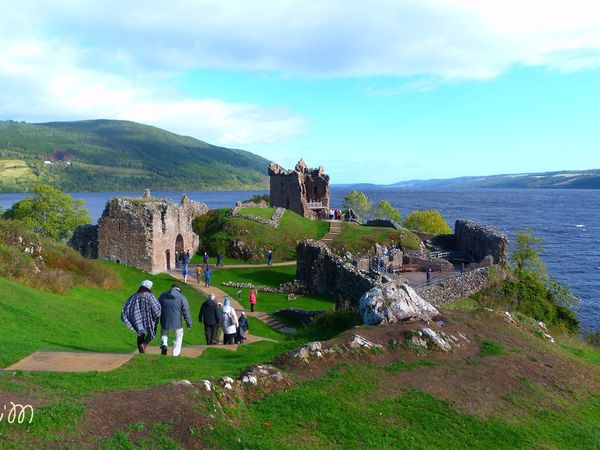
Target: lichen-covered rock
357,341
264,376
435,339
392,303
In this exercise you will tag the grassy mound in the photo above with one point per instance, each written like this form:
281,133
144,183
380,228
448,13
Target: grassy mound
45,264
359,239
265,213
217,231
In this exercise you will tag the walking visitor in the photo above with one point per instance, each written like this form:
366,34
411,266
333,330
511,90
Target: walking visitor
219,259
173,305
270,257
229,322
207,275
242,329
205,258
140,313
177,260
210,317
198,272
185,272
428,276
252,300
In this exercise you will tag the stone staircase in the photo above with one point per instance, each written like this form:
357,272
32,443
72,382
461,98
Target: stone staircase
335,228
273,322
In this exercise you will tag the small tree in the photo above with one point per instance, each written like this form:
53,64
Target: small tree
385,210
359,203
526,255
49,212
428,221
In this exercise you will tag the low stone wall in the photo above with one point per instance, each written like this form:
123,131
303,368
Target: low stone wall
322,272
384,223
478,241
460,287
272,223
291,287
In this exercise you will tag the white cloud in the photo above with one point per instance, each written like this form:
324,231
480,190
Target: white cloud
451,39
73,59
47,81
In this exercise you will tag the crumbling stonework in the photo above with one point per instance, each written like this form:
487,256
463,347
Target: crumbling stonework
85,240
477,241
146,233
302,190
322,272
461,286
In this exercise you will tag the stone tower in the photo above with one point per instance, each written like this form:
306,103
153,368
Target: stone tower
302,190
145,233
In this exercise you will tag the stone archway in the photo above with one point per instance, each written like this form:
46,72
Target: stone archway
179,244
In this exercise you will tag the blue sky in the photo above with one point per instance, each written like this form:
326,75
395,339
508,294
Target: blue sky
376,91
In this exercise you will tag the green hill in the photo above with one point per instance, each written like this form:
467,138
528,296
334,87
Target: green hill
110,155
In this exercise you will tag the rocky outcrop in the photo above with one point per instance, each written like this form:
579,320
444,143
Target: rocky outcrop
323,272
85,240
392,303
477,241
385,223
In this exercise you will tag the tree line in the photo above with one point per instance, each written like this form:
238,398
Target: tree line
427,221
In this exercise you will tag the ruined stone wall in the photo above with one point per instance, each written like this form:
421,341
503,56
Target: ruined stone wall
461,286
478,241
293,189
143,233
85,240
322,272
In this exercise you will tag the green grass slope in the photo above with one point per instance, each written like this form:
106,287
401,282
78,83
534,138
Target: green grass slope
110,155
217,231
360,239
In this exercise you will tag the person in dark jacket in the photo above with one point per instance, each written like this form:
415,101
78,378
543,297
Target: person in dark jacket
242,329
140,313
209,315
173,305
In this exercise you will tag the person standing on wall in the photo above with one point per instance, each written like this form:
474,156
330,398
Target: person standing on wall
140,313
173,305
209,315
252,300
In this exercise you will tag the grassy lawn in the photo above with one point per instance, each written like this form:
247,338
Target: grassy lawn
347,408
217,231
273,276
265,213
359,239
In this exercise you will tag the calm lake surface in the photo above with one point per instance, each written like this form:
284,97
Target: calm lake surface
567,220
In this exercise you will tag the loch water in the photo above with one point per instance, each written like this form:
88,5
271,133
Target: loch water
567,220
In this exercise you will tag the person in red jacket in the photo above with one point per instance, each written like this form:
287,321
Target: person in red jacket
252,300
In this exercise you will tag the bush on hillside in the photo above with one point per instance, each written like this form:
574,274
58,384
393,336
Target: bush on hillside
530,290
42,263
428,221
359,203
258,198
386,211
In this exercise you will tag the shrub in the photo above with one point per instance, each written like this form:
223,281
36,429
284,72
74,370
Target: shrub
429,221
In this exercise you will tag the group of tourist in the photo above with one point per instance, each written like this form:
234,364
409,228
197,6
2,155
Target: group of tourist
143,311
335,214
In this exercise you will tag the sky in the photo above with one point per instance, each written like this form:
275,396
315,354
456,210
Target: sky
376,91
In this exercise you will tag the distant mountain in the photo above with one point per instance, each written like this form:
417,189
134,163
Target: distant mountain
111,155
572,179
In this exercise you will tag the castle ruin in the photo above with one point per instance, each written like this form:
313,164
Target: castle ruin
302,190
145,233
